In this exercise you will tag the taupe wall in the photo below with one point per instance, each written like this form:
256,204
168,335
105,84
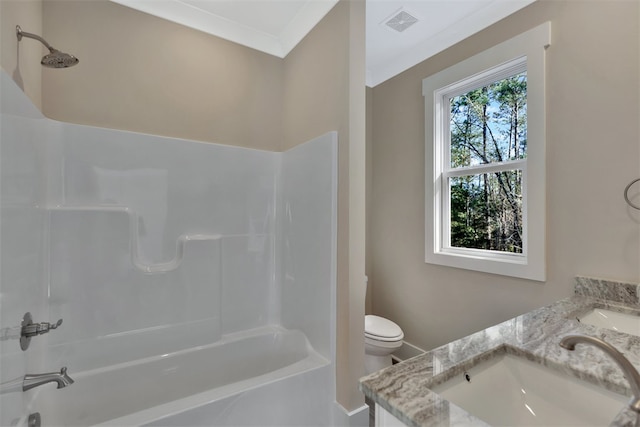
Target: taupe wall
593,151
369,194
22,60
324,89
145,74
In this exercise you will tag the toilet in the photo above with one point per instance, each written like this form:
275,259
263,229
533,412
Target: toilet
381,338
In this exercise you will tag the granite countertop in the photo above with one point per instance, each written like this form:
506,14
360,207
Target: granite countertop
403,389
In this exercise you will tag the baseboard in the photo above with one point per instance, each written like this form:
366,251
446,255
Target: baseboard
357,418
407,351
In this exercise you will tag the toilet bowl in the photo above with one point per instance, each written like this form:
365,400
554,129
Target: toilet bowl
381,338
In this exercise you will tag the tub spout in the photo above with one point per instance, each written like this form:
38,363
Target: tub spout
61,378
631,374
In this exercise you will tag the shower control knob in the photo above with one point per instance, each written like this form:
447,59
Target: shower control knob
39,328
30,329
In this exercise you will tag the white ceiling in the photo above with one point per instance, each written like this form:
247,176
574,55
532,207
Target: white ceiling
271,26
441,24
276,26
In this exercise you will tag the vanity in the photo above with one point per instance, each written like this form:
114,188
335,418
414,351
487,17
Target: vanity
516,372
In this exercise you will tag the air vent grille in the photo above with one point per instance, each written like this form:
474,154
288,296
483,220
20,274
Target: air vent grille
401,21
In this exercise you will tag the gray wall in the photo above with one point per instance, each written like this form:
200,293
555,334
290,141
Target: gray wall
593,151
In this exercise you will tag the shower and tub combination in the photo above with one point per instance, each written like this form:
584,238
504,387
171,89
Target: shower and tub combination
196,281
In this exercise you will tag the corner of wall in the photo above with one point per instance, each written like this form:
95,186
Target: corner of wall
21,60
324,90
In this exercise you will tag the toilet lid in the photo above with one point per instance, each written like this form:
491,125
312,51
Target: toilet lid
381,329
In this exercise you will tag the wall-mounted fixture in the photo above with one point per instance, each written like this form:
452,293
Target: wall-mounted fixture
61,378
400,20
55,58
30,329
626,194
34,420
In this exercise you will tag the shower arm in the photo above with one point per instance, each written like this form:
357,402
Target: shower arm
22,34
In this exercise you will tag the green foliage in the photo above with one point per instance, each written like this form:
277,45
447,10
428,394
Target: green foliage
488,125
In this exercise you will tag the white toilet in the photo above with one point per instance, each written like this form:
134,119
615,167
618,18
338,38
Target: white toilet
381,338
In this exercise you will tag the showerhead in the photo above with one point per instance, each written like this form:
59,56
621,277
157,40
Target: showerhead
55,59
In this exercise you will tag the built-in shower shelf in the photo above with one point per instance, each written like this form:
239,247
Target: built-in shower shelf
109,298
89,212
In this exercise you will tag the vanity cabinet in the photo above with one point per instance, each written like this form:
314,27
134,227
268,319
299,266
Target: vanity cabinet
385,419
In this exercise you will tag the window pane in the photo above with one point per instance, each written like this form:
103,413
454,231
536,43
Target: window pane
486,211
489,124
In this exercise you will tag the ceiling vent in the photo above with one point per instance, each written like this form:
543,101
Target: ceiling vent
401,21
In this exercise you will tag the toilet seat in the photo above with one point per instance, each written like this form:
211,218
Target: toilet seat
380,329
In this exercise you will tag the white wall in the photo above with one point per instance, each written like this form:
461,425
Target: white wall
173,188
22,239
308,244
145,245
192,253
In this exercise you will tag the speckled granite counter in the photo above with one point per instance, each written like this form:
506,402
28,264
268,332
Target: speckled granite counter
403,389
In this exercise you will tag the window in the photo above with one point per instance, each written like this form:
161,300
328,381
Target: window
485,160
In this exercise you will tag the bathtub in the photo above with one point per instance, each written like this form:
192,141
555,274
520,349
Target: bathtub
208,385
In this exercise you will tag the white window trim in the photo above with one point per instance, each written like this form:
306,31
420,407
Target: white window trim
531,264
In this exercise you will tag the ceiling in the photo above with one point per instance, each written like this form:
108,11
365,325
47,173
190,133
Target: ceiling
276,26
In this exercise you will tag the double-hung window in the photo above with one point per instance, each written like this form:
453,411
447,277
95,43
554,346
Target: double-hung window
485,160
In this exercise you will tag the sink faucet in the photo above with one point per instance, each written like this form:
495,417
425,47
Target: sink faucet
31,381
569,342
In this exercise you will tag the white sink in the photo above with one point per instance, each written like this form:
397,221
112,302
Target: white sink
621,322
510,391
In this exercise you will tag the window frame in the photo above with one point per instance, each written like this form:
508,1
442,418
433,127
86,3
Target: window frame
525,52
442,163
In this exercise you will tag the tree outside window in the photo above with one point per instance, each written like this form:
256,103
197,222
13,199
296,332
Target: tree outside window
488,125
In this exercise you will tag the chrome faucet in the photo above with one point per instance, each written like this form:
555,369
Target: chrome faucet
31,381
569,342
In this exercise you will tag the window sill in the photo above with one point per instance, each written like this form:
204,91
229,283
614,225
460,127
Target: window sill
514,265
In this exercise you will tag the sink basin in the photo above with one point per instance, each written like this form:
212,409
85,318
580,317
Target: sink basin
621,322
511,391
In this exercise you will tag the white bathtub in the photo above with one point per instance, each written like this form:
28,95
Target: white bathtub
198,386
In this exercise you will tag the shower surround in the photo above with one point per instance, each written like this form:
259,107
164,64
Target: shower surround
196,281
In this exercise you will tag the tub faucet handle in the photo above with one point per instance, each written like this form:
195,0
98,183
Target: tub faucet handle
55,325
30,329
39,328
